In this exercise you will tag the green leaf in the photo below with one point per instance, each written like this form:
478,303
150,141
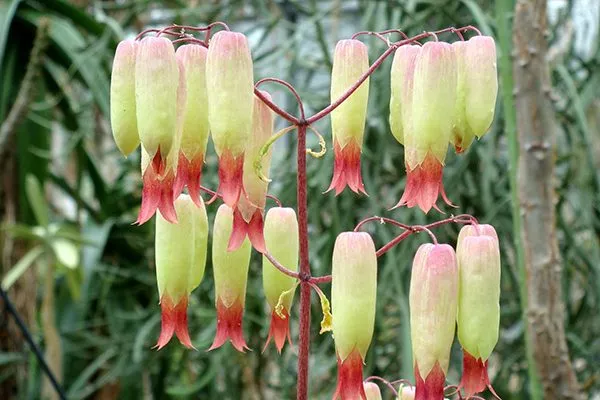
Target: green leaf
37,200
66,252
21,266
7,12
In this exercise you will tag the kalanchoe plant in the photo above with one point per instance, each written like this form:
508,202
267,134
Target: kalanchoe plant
350,61
440,94
180,261
478,315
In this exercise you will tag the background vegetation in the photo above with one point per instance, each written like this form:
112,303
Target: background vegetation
83,278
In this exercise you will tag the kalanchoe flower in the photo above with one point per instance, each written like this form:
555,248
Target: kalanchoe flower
477,89
230,85
432,116
372,391
433,303
195,130
401,87
248,216
180,261
159,165
350,61
406,392
478,317
281,238
230,269
353,297
123,118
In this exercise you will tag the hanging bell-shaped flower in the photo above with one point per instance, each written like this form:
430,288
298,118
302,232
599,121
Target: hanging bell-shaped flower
158,174
432,117
433,302
372,391
478,317
195,130
230,85
123,119
401,88
353,298
230,269
477,89
180,261
281,238
248,216
350,62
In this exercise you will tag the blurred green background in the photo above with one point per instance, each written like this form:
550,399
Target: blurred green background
82,276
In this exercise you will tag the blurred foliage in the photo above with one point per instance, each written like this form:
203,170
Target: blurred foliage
108,329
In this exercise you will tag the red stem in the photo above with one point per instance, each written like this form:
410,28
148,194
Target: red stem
304,340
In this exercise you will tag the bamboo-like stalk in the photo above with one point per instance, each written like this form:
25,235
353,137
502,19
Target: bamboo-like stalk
536,128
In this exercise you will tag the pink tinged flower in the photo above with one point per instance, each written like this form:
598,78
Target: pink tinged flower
195,129
248,216
353,298
350,61
427,132
230,269
281,239
159,169
433,302
180,261
372,391
477,89
230,86
123,118
406,392
401,87
478,317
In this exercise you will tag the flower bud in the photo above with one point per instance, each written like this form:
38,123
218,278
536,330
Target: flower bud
372,391
433,302
406,393
230,269
158,175
156,84
230,85
401,87
123,118
432,117
477,88
478,317
248,217
180,261
281,238
195,129
350,62
353,298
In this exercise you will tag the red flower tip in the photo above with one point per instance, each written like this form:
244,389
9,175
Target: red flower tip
173,321
432,388
189,173
253,229
279,330
346,168
475,377
424,185
229,326
350,378
157,193
231,172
